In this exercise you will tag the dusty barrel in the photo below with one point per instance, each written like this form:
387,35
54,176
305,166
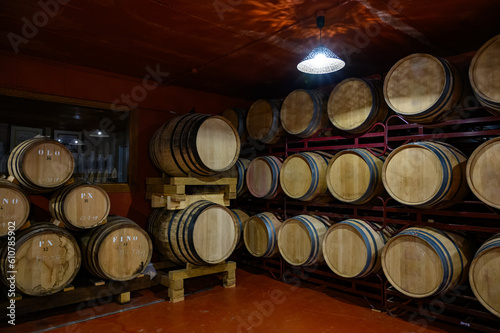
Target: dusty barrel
260,235
353,249
80,206
41,165
484,274
238,171
263,121
14,207
242,219
426,174
300,239
203,233
237,117
303,175
423,261
422,88
303,113
263,177
484,74
195,143
483,172
47,259
355,176
118,250
355,105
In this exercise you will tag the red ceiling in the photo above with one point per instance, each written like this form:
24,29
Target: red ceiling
247,48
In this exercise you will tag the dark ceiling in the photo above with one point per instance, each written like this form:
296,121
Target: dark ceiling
247,48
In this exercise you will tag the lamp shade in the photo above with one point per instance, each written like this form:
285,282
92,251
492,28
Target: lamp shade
321,61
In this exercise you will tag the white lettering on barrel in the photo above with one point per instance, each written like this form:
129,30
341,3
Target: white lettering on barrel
86,195
124,239
49,243
6,201
48,153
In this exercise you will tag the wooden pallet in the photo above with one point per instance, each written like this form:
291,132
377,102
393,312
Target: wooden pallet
179,192
174,279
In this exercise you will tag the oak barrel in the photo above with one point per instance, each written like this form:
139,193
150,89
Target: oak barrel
423,261
41,165
238,171
426,175
484,274
484,74
263,177
118,250
14,207
300,239
47,259
237,117
422,88
353,249
483,172
355,105
355,176
242,219
203,233
303,113
263,121
303,175
195,143
80,206
260,235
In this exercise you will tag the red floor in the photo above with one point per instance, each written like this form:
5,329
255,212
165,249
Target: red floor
257,304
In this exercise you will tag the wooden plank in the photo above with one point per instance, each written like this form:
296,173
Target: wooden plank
202,181
201,270
124,297
157,201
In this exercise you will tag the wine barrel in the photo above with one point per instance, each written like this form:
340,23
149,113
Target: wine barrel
118,250
195,143
483,172
300,239
14,207
484,74
426,175
41,165
355,105
242,219
355,176
303,113
422,88
203,233
238,171
484,274
263,121
47,259
260,235
353,249
237,117
80,206
263,177
423,261
303,175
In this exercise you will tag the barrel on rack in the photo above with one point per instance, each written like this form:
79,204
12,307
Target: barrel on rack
260,235
422,88
353,248
118,250
238,171
423,261
484,274
80,206
195,143
263,177
41,165
300,239
355,105
263,121
426,175
355,176
203,233
303,113
242,219
47,259
237,117
483,172
484,74
303,175
14,207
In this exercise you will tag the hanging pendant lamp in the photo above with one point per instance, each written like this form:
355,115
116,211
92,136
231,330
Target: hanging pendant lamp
321,60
